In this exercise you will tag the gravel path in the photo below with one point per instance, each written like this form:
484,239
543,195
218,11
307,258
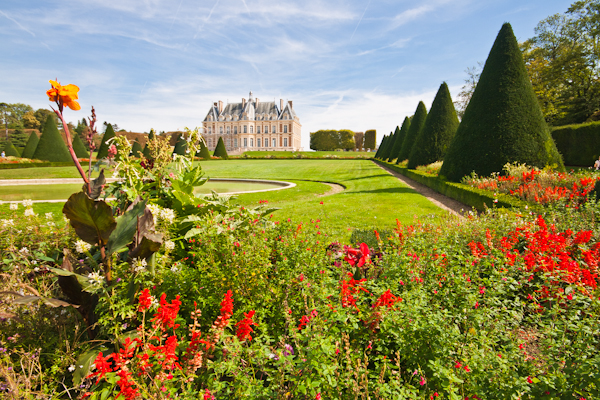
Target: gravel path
436,198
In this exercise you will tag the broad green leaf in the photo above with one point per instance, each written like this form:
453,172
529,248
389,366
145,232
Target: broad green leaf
86,360
126,227
93,221
180,186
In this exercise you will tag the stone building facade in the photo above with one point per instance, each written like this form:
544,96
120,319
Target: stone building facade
253,125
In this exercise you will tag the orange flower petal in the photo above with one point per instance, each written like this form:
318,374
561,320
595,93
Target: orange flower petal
73,105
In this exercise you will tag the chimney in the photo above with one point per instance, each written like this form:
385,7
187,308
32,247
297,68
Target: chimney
216,104
256,104
243,102
220,106
289,101
280,104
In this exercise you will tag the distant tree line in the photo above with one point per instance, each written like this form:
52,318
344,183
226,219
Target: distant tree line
344,139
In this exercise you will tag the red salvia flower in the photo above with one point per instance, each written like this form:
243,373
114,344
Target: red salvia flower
102,367
387,300
145,300
244,327
167,313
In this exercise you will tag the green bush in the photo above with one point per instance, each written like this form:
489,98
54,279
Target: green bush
79,147
203,153
51,146
390,155
438,131
180,146
30,146
503,122
370,141
388,146
579,144
416,124
136,149
398,144
220,150
103,149
146,151
10,150
382,146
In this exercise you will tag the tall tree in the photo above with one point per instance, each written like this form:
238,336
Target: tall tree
438,131
51,146
30,146
416,124
503,122
346,139
220,150
371,139
359,138
394,149
398,145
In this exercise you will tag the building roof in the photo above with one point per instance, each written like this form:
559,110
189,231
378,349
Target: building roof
251,110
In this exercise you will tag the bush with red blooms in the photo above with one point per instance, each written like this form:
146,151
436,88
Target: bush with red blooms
540,186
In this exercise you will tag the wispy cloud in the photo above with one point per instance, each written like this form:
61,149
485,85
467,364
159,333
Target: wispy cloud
5,15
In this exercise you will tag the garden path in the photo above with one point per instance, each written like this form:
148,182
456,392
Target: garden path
436,198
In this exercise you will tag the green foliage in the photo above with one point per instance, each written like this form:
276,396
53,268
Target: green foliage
180,146
103,149
390,147
438,131
10,150
146,151
220,150
346,139
136,149
417,122
330,139
30,146
18,137
503,122
29,121
42,115
79,147
203,153
382,146
403,132
51,146
578,144
370,139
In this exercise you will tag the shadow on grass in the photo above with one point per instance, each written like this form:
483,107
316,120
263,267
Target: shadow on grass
366,177
395,190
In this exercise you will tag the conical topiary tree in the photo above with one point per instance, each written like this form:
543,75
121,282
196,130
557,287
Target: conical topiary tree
30,146
438,131
398,145
51,146
388,146
79,147
503,122
203,153
10,150
391,155
136,149
180,146
103,149
416,124
146,151
381,147
220,150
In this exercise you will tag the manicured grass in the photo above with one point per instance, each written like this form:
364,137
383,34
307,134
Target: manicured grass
310,154
46,173
372,199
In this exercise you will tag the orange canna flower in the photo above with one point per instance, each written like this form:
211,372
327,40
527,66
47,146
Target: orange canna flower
64,95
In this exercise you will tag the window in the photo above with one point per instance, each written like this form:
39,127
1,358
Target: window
235,142
285,142
221,130
258,131
228,130
273,129
209,131
285,129
274,142
251,129
251,142
245,128
257,142
245,142
235,130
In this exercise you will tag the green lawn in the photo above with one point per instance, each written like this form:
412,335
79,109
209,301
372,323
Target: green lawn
310,154
45,173
372,198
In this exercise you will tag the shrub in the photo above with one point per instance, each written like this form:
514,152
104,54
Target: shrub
146,151
398,145
390,155
103,149
370,139
503,122
79,147
180,146
203,153
136,149
382,146
51,146
220,150
438,130
416,124
30,146
578,144
10,150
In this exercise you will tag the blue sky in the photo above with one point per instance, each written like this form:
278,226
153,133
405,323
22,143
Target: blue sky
360,64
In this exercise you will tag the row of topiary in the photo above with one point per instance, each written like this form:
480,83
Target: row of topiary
503,123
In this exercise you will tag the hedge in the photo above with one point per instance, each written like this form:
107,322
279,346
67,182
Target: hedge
579,144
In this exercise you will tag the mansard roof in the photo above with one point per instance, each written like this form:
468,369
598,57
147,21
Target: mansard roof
250,109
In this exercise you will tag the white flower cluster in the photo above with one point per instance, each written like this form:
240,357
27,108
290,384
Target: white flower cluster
82,247
165,214
7,222
29,212
27,203
169,245
96,279
139,264
49,215
14,206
